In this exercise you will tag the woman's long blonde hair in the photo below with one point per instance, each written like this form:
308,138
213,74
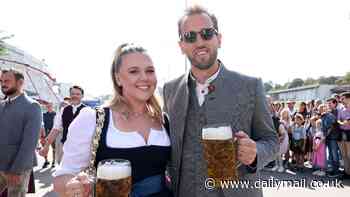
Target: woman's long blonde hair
118,100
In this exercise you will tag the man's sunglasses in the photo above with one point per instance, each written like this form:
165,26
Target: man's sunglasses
206,34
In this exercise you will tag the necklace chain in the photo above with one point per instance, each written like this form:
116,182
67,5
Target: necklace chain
127,115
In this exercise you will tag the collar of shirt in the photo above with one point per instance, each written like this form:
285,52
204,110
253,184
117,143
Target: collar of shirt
11,100
75,107
202,89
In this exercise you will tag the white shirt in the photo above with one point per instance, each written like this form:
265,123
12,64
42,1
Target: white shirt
57,123
10,100
13,98
75,107
340,107
77,148
58,118
202,89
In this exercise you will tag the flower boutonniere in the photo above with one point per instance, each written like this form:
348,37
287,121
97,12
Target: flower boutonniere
211,88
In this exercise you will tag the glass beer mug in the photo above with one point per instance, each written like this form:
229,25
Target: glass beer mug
220,153
113,178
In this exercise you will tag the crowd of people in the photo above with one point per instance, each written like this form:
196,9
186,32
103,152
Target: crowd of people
316,134
164,145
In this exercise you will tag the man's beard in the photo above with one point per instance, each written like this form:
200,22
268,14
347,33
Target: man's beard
9,92
205,65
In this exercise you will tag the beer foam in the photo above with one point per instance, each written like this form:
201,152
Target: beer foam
218,133
113,172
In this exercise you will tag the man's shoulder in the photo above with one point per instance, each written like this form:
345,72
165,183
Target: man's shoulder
174,84
30,101
330,114
234,76
30,106
175,81
240,82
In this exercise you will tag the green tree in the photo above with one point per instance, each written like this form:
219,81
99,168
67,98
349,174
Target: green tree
327,80
2,50
346,78
339,82
3,37
286,85
278,87
310,81
297,82
268,86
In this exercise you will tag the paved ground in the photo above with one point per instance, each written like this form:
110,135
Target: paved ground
314,186
43,181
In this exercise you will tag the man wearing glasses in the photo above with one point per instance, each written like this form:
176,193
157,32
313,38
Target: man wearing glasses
211,94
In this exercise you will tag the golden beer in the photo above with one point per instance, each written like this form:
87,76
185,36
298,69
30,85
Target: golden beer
113,178
220,153
3,182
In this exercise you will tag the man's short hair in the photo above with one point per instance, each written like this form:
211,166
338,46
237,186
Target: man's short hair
346,94
17,73
76,87
196,9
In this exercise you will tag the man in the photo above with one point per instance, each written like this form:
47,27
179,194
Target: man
292,110
20,122
344,121
48,119
63,121
333,135
211,94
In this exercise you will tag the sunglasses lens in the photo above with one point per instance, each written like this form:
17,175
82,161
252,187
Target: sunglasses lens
190,37
207,33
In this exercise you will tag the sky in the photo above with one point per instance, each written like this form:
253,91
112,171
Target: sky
275,40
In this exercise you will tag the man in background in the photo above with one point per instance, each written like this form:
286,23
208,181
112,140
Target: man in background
48,119
63,121
20,123
344,126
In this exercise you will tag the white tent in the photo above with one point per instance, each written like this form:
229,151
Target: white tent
38,82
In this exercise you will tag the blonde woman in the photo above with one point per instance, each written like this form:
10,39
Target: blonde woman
134,132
